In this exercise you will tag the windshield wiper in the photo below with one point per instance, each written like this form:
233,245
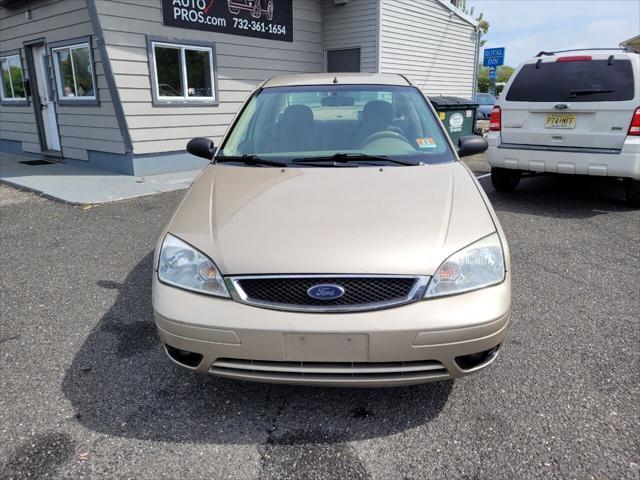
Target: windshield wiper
251,160
352,157
588,91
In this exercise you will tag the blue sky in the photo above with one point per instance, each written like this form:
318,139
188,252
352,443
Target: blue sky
525,27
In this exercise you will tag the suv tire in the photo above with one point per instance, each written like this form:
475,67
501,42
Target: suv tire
505,179
632,191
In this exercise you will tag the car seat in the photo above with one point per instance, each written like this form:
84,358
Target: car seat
377,116
295,131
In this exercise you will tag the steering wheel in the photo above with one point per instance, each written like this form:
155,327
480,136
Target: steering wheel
383,134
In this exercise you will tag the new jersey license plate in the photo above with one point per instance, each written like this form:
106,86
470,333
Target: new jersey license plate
561,120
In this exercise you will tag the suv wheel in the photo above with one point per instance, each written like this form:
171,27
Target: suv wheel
505,179
632,191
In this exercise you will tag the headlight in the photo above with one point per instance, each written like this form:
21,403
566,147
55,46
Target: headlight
476,266
183,266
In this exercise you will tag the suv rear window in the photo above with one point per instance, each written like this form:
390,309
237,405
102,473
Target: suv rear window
579,81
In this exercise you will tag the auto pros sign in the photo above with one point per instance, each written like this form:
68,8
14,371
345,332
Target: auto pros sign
270,19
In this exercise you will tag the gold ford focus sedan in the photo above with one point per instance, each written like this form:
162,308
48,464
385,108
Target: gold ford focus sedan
335,239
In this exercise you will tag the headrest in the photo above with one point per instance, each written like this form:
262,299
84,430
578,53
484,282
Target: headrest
297,116
378,112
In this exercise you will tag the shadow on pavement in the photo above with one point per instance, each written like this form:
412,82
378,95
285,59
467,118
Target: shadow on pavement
39,456
561,196
121,383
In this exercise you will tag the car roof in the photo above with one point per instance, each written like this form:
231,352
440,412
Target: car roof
595,53
337,79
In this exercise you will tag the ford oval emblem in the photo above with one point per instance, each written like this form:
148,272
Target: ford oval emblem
326,292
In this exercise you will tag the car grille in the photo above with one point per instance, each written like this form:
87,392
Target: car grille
360,293
332,372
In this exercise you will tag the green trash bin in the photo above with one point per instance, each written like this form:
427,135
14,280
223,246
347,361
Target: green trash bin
458,115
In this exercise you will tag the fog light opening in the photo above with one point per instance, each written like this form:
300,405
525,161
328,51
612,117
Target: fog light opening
184,357
473,360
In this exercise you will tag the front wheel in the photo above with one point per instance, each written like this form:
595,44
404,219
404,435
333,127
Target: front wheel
632,191
505,179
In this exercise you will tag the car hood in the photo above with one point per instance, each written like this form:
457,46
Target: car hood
366,220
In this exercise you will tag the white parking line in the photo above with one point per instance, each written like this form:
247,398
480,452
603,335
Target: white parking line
483,176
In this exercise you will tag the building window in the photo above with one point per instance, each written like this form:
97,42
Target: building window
12,85
184,74
346,60
74,72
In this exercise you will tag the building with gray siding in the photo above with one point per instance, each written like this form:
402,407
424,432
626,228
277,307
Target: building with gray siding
122,85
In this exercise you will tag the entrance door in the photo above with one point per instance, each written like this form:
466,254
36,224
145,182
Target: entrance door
47,106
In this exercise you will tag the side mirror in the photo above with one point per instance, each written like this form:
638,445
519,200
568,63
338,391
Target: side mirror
471,145
201,147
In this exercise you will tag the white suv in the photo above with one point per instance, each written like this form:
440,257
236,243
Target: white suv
575,112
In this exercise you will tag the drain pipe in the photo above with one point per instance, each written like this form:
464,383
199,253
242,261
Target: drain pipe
475,65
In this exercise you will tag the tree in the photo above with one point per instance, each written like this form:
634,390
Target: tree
484,82
483,25
502,75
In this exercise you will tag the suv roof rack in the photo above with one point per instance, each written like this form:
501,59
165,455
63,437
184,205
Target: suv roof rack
542,53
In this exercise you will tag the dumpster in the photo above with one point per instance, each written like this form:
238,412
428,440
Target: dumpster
458,115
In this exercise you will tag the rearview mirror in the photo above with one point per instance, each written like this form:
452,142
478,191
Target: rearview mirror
201,147
338,101
471,145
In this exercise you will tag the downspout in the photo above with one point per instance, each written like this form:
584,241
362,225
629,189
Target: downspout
110,78
378,37
475,65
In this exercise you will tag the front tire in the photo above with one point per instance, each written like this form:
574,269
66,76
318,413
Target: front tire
632,191
505,179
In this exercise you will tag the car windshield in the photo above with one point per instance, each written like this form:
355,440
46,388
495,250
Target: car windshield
485,99
351,123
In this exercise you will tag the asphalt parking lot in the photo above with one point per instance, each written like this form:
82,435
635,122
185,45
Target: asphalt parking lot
86,390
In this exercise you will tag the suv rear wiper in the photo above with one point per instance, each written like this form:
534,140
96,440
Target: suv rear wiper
251,160
588,91
352,157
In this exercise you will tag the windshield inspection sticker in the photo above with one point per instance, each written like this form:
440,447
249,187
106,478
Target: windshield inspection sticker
426,142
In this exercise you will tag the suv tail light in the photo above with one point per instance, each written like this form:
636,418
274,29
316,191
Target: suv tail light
495,121
634,129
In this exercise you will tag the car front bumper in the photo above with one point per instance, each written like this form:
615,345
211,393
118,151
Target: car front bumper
624,163
409,344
